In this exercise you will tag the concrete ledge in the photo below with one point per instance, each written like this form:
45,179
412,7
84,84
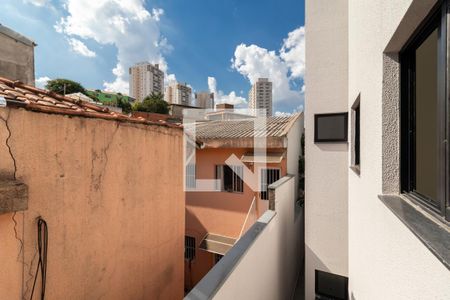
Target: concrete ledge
13,196
435,236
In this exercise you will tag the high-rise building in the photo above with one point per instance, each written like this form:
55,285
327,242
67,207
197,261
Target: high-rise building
177,93
204,99
145,79
260,95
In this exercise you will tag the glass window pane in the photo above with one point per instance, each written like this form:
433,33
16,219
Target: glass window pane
426,117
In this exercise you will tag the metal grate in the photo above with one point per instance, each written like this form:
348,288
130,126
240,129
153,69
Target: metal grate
189,247
230,178
268,176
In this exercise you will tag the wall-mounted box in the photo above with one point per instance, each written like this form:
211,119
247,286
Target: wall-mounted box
330,128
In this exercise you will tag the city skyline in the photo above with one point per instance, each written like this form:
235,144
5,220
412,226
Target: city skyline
249,46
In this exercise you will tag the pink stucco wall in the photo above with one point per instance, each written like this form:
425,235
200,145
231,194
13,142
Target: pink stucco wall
112,196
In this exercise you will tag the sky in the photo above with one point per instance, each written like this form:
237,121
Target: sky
222,46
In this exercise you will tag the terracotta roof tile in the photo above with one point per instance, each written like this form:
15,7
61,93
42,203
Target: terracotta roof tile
238,129
36,99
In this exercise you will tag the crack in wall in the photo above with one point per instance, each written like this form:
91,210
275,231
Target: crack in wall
16,233
30,276
7,141
97,179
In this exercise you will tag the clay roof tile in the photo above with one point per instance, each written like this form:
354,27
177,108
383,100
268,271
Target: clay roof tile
41,100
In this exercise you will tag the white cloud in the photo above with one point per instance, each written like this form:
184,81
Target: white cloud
286,114
79,47
284,68
38,2
293,52
169,79
125,24
41,81
220,97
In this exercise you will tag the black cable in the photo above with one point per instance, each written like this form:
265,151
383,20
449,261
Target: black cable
42,263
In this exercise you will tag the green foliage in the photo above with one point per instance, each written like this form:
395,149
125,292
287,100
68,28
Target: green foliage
153,103
60,85
124,105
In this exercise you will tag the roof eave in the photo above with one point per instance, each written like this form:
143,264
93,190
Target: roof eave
271,143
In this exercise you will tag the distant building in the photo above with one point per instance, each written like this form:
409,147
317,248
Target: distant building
108,98
176,110
177,93
225,111
204,99
145,79
260,95
80,96
16,56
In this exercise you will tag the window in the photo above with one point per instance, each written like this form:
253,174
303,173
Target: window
424,117
268,176
331,286
190,176
230,178
356,131
330,127
189,247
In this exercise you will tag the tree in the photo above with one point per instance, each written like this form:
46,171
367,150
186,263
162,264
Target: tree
124,104
64,86
153,103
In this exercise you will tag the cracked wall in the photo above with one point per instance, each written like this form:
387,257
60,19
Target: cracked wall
112,195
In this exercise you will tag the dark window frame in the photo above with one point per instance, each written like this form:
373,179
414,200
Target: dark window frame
189,247
316,133
328,292
437,19
237,183
264,195
356,136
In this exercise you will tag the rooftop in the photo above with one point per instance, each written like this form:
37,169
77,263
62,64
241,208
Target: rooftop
275,126
18,94
17,36
240,133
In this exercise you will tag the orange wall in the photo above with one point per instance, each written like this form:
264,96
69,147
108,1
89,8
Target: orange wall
112,196
221,213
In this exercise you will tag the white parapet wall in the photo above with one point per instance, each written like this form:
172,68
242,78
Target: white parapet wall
265,262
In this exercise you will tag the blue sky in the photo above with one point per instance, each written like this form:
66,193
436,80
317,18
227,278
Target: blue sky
233,42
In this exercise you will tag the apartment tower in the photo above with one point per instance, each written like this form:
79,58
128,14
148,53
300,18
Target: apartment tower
145,79
177,93
204,99
260,95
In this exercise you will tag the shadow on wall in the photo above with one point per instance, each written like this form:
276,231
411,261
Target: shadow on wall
194,228
333,147
314,260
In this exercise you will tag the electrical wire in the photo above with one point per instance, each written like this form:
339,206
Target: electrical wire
42,249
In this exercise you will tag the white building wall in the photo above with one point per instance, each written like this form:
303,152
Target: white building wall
386,260
294,149
269,267
326,168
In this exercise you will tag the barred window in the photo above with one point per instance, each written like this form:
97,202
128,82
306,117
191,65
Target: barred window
189,247
230,178
268,176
